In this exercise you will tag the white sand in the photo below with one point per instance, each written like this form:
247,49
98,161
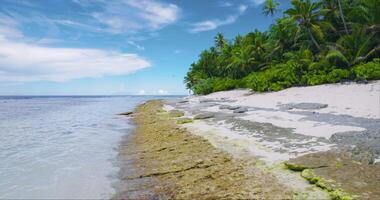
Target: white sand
356,100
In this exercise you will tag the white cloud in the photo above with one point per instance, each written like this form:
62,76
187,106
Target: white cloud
242,9
30,62
141,92
226,4
208,25
97,16
258,2
9,27
139,47
162,92
125,16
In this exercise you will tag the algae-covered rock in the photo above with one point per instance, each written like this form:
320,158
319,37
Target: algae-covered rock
295,167
328,185
169,162
184,121
203,116
176,113
317,160
339,174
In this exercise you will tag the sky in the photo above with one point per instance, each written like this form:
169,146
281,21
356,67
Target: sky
113,47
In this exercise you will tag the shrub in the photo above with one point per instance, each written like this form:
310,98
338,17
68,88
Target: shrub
217,84
367,71
337,58
337,75
222,84
204,87
275,78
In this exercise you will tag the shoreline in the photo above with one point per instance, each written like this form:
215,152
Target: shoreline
306,166
170,162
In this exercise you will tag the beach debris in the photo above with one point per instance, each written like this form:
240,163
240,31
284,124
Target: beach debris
176,113
184,121
126,113
241,110
303,106
205,115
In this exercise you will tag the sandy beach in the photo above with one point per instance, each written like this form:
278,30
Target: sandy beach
305,141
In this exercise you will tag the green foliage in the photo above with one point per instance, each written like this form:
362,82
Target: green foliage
315,42
368,71
275,78
217,84
337,58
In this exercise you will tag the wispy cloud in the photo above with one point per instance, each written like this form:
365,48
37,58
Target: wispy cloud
96,16
212,24
9,27
139,47
162,92
129,16
258,2
30,62
141,92
226,4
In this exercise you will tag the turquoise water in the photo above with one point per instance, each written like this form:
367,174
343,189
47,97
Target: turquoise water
61,147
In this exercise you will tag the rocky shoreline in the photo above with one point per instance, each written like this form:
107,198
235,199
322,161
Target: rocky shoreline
238,144
162,160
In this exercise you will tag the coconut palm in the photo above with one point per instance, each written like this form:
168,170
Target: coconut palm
242,61
219,41
308,15
270,7
342,16
354,48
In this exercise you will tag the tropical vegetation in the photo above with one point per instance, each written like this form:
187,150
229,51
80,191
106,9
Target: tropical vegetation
314,42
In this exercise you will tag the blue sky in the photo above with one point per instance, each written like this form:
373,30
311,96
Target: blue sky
101,47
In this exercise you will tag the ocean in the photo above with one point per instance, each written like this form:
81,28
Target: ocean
62,147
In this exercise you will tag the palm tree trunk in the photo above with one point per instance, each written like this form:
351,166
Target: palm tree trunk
313,39
342,16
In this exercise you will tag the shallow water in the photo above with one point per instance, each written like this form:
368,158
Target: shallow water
61,147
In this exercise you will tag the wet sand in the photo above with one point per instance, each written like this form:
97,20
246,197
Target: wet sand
162,160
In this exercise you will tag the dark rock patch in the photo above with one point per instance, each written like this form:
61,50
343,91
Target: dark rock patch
126,113
204,116
302,106
241,110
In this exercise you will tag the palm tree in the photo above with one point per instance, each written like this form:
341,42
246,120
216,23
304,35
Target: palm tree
270,7
342,16
308,14
283,35
219,41
242,62
354,48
